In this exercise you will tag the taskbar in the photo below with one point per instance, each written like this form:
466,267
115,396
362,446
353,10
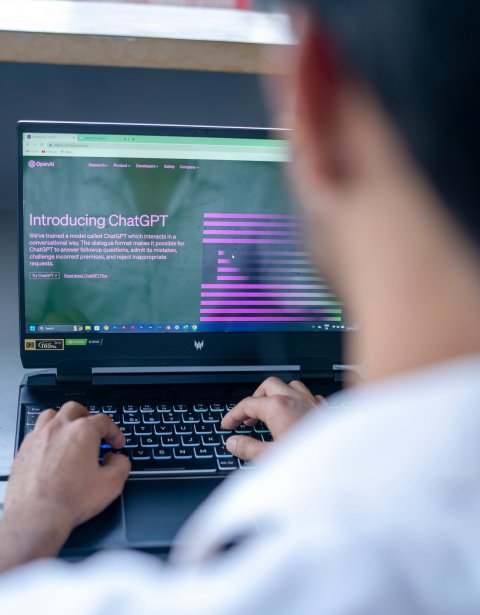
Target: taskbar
199,327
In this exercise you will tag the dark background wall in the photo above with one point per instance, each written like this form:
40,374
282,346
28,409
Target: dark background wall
78,93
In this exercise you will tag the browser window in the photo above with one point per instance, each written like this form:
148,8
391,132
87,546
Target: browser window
143,233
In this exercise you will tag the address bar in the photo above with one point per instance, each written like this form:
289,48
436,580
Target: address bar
168,147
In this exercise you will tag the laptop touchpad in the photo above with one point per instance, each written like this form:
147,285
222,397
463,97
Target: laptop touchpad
155,509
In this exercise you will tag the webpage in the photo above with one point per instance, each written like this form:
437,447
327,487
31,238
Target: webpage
165,234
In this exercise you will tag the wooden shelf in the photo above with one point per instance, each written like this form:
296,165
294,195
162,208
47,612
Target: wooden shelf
146,36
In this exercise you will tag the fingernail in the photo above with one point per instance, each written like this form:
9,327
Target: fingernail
231,444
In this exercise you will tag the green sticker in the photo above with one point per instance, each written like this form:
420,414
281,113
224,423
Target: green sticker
76,341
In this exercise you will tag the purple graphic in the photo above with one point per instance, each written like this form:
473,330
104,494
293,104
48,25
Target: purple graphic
256,271
31,164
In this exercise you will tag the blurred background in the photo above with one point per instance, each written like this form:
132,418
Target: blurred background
149,61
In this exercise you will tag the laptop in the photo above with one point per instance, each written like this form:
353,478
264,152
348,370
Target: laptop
162,278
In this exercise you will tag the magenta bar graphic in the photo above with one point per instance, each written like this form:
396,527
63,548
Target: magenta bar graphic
239,224
221,216
255,270
282,286
267,319
232,277
250,241
264,311
271,303
247,232
246,294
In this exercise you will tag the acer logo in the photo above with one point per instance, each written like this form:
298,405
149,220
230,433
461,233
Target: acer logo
198,345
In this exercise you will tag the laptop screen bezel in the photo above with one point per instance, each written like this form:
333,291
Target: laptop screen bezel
316,350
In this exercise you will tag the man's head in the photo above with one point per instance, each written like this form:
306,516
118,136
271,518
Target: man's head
387,148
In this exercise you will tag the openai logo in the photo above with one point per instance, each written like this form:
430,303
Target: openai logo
31,164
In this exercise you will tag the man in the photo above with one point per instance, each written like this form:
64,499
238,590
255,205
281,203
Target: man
372,510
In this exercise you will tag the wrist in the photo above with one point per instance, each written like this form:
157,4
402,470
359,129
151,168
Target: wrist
30,534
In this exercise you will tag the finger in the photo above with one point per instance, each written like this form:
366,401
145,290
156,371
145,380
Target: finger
272,386
245,448
71,411
320,399
299,387
247,410
115,469
43,418
107,430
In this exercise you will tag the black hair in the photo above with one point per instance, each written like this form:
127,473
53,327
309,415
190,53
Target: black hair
422,60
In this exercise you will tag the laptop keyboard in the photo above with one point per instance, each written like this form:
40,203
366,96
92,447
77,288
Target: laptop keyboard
171,438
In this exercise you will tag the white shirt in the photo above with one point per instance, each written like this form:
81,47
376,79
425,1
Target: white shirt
373,509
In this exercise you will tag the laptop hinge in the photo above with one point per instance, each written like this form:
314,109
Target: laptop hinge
74,373
335,374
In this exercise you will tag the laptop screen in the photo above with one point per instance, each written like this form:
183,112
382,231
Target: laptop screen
158,230
144,233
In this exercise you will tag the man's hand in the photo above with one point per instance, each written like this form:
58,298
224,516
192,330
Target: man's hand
277,404
57,482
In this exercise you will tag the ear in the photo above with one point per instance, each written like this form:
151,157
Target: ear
319,86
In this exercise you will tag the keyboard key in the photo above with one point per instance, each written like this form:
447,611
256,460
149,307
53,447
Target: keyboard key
150,419
203,453
181,408
210,417
230,407
31,419
140,453
217,407
164,408
183,430
260,428
175,466
170,417
227,464
200,407
170,441
34,408
182,453
127,430
131,419
109,409
148,442
245,465
222,453
130,409
203,429
191,441
190,417
143,430
147,408
131,442
219,429
267,437
211,440
162,453
163,430
243,430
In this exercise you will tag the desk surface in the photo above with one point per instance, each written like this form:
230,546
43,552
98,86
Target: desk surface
148,36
